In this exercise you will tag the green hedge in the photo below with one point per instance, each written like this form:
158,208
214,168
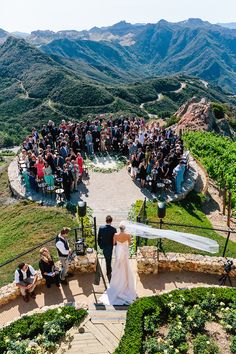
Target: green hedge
29,327
131,342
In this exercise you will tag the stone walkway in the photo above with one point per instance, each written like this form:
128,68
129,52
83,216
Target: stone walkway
100,332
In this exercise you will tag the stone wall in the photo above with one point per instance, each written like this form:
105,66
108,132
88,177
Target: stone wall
148,262
83,264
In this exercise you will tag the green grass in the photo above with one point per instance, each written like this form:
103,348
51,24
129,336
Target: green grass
4,186
186,212
24,225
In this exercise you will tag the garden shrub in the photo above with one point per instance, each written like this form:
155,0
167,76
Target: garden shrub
233,345
47,327
203,345
137,317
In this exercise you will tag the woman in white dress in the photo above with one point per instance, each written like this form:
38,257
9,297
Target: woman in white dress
122,286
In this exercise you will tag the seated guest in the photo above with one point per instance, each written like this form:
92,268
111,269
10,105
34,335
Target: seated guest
48,177
25,279
48,269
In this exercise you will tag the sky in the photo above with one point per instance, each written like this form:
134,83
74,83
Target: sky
29,15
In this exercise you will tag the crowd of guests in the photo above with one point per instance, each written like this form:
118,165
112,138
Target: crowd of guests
154,153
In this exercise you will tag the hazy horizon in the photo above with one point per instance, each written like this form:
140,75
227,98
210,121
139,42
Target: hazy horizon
58,15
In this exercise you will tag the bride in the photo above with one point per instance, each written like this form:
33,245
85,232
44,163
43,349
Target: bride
122,286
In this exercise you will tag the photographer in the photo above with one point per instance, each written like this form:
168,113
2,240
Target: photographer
64,252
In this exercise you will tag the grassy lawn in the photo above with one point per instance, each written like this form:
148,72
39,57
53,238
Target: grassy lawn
186,212
24,225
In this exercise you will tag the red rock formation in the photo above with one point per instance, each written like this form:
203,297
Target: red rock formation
195,116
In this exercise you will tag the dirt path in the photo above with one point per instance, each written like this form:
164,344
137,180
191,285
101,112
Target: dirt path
160,97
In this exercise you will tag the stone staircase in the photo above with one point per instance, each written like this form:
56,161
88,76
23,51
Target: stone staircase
100,333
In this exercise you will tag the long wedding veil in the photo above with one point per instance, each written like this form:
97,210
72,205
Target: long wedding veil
191,240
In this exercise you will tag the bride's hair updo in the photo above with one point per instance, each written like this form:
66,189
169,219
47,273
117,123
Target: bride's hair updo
122,227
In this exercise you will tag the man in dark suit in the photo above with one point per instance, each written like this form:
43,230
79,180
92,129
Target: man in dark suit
105,242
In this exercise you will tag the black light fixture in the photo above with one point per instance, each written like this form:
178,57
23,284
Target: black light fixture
161,213
82,208
161,210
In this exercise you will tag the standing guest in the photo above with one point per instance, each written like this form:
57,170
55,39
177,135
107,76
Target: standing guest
40,166
105,242
89,143
64,150
64,252
58,161
96,138
67,180
80,163
103,142
25,279
115,138
48,269
75,175
178,173
134,166
142,173
71,155
76,145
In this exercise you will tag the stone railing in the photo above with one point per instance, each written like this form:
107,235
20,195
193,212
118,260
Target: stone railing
149,261
83,264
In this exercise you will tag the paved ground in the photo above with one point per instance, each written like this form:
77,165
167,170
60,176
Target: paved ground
81,289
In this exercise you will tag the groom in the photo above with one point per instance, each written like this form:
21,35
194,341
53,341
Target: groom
105,242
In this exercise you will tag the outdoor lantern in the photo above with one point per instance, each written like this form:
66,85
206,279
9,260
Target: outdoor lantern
82,209
80,247
161,210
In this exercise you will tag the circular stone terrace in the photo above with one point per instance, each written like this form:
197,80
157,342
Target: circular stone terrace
108,188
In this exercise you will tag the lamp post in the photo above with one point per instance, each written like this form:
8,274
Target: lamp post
82,206
161,213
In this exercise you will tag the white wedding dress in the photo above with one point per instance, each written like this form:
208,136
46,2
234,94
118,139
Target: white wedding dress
122,286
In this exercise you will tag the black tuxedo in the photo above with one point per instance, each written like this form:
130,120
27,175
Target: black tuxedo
76,146
105,242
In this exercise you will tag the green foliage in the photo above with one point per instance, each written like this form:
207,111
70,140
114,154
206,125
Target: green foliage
218,109
217,154
229,320
177,333
233,345
189,211
131,342
203,345
24,225
44,329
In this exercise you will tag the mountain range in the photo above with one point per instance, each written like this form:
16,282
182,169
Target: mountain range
193,47
142,69
34,88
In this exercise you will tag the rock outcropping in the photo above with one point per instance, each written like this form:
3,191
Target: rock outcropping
196,115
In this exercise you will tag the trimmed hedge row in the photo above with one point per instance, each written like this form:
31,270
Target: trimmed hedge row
131,342
31,326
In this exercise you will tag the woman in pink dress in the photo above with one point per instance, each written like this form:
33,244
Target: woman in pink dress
40,167
80,162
